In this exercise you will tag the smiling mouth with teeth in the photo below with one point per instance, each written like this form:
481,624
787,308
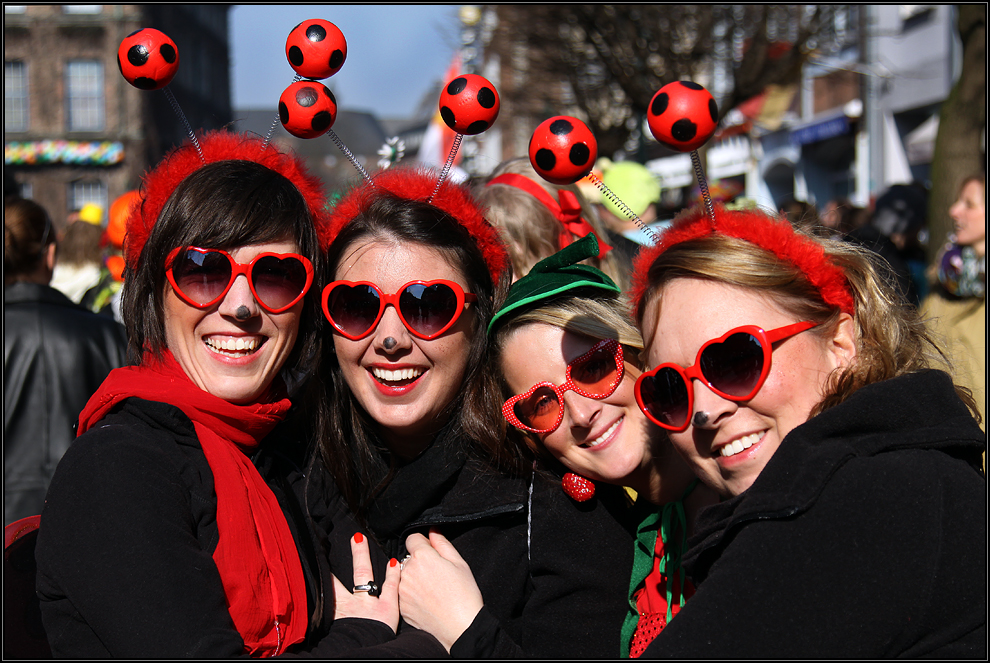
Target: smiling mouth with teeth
601,438
739,445
404,375
233,347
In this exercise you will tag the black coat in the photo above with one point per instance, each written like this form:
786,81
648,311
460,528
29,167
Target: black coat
125,548
55,355
554,574
863,537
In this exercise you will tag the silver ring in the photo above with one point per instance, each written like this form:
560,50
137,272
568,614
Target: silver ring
370,587
403,561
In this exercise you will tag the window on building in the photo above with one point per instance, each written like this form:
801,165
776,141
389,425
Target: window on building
84,95
82,9
82,192
14,9
15,96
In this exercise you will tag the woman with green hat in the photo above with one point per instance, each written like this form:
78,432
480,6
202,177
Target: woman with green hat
564,357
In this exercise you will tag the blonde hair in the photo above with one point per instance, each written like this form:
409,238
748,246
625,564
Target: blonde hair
891,336
529,229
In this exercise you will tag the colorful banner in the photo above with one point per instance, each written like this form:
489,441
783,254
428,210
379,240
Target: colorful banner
99,153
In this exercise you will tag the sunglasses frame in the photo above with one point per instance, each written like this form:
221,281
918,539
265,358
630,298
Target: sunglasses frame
385,300
766,340
508,410
237,269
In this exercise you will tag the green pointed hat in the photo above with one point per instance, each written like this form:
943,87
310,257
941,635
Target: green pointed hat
553,276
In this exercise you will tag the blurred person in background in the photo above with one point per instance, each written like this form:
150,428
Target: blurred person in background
536,219
957,304
639,189
55,355
77,268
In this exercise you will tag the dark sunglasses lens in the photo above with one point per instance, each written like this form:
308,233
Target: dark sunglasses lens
278,281
201,276
428,309
734,365
353,309
595,373
665,397
539,411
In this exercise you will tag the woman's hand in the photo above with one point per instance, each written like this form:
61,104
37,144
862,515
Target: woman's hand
438,593
384,607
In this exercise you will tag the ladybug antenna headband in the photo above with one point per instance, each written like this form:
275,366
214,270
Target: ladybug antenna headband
148,59
316,49
420,184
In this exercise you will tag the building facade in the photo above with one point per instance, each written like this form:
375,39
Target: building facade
75,131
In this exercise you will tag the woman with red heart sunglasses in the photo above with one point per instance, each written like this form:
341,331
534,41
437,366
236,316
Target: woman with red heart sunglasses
800,387
174,526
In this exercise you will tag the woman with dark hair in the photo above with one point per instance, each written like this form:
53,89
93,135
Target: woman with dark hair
800,387
172,526
415,449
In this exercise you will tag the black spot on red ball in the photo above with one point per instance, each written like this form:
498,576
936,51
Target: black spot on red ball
456,86
306,97
476,127
691,85
713,110
168,53
579,154
329,95
316,32
144,83
138,54
561,127
295,56
486,98
322,121
659,104
545,159
283,112
684,130
447,116
336,59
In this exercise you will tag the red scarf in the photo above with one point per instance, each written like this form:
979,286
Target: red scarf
256,555
566,209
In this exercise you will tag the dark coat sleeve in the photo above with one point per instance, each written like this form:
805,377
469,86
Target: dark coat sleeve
889,561
578,563
118,551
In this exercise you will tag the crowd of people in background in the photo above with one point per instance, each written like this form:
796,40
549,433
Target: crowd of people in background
496,419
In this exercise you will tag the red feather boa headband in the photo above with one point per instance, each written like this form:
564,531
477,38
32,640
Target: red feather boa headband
774,235
416,184
217,146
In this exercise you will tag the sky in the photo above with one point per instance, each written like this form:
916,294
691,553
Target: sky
395,53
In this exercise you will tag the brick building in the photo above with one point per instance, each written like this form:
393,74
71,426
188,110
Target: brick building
75,131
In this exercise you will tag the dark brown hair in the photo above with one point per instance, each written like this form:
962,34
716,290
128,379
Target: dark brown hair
223,205
27,232
348,436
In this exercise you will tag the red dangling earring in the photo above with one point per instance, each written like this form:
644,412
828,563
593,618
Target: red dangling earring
577,487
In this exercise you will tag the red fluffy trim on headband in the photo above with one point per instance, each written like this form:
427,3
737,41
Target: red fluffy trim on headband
217,146
418,184
774,235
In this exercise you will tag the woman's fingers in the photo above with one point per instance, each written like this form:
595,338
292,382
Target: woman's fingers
445,548
364,575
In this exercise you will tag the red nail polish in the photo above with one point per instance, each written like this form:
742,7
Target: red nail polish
358,537
393,562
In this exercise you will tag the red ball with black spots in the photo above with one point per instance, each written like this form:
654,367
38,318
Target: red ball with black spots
316,48
469,104
563,149
307,109
148,59
682,116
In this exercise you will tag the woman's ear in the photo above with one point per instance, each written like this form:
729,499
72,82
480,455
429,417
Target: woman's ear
842,346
